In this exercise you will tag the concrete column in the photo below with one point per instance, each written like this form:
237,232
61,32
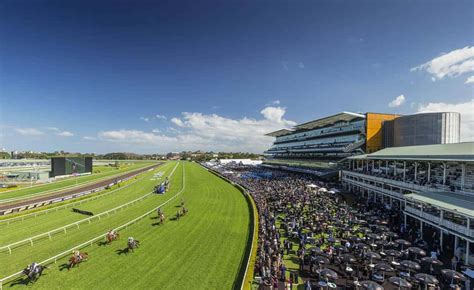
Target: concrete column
386,167
444,173
429,171
466,259
391,201
416,169
404,168
463,173
421,228
405,220
468,225
373,166
441,238
441,216
394,168
456,243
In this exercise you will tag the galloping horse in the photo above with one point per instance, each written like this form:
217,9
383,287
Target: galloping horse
112,237
33,275
162,218
184,210
133,245
76,260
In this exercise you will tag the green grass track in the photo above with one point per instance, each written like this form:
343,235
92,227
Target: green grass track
203,250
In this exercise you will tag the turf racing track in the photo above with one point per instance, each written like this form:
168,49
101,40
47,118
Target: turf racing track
202,250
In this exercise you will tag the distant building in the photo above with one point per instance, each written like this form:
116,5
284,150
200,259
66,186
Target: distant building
422,129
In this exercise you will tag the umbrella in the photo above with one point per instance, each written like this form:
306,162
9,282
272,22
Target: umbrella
364,230
373,236
410,265
400,282
432,261
370,285
316,250
403,243
453,274
426,278
347,258
372,255
355,239
417,251
362,246
391,235
328,274
382,266
321,260
393,253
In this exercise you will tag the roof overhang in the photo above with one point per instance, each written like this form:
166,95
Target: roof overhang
279,133
326,121
452,202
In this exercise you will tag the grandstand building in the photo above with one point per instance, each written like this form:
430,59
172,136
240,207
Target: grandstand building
316,146
422,129
432,184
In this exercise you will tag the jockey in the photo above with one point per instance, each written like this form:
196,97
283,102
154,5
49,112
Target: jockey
131,240
77,255
33,267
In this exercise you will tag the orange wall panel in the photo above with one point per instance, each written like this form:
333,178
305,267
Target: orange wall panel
373,130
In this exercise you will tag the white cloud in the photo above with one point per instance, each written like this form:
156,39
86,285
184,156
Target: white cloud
134,137
89,138
145,119
160,117
301,65
177,122
29,131
156,131
397,102
209,132
273,113
65,134
451,64
470,80
467,115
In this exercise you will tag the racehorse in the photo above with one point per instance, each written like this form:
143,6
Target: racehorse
184,211
34,275
112,237
162,218
74,260
133,245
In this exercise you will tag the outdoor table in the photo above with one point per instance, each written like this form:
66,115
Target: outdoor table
332,285
349,270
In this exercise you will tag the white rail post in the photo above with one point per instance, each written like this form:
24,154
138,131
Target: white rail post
9,250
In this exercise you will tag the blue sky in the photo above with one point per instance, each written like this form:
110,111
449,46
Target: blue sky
158,76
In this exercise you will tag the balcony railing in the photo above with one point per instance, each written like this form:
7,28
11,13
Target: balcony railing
373,187
462,229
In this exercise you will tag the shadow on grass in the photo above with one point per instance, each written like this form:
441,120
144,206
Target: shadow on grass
122,251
